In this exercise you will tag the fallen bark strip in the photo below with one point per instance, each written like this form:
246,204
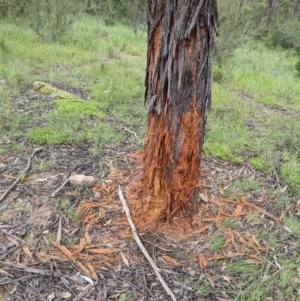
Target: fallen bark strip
27,269
21,174
141,246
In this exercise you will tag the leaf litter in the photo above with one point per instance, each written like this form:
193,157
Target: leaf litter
106,250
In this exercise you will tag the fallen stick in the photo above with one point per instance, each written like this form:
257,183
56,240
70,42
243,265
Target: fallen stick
21,174
60,187
141,246
266,213
58,239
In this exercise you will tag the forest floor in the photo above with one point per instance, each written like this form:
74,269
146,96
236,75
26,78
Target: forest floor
78,244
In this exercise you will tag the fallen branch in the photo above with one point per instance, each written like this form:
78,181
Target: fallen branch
21,174
141,246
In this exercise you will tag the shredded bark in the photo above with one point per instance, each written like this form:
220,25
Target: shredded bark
178,95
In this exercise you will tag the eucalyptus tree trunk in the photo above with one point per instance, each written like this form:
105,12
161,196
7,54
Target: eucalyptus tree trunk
271,8
178,95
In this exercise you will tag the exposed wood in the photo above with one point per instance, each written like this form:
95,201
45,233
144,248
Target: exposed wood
22,174
178,96
141,246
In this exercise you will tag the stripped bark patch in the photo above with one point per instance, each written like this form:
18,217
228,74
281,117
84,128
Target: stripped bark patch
178,96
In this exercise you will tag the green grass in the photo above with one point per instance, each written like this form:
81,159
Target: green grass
268,284
216,242
104,61
63,206
245,124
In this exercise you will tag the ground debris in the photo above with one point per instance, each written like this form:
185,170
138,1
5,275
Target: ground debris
99,260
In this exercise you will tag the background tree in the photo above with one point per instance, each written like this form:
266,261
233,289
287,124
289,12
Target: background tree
178,94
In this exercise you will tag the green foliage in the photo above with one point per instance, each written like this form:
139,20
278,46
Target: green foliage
131,12
11,9
241,21
51,19
297,66
285,34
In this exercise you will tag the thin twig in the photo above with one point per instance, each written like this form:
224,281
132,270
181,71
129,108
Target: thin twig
266,213
60,187
141,246
134,133
21,174
58,239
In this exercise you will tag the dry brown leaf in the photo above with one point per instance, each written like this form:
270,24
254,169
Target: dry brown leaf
218,257
126,261
12,240
103,251
87,237
91,268
199,231
255,241
64,250
27,251
80,247
238,210
170,260
8,176
202,262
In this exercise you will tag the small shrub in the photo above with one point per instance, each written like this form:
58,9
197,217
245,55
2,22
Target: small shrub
51,19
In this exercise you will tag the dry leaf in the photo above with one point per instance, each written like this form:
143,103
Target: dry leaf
125,259
80,247
238,210
51,297
255,240
103,251
87,237
218,257
88,279
27,251
8,176
170,260
65,295
11,239
276,263
202,262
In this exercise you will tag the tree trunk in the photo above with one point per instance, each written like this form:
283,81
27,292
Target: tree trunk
271,8
178,95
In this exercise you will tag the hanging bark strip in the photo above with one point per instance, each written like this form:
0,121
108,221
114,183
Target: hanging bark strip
178,95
